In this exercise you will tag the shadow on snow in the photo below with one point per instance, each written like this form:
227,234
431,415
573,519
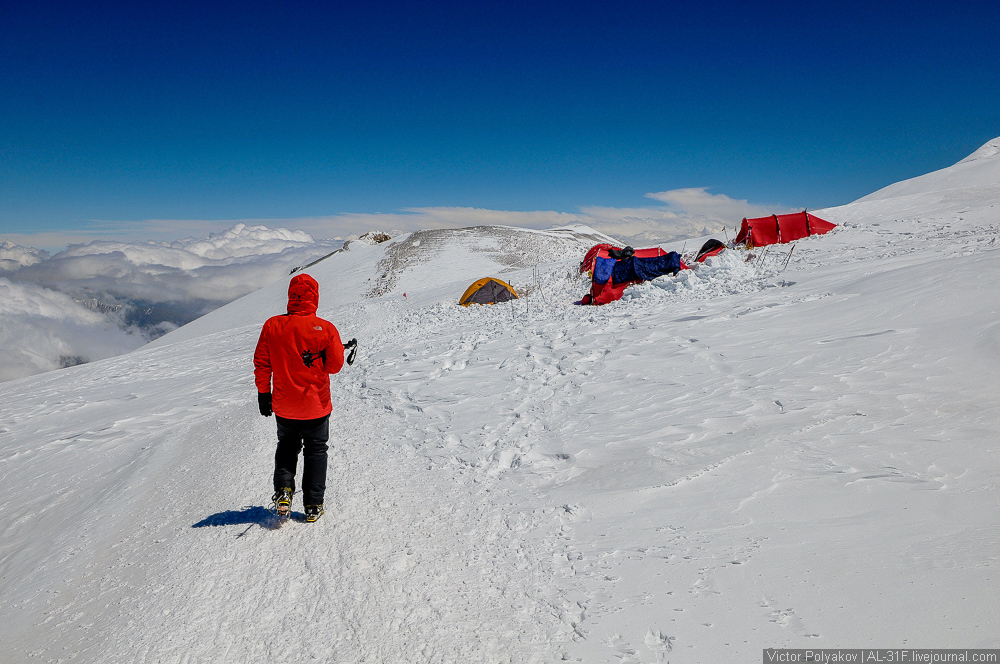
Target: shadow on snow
254,515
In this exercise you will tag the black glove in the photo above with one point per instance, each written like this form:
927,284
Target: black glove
264,403
352,346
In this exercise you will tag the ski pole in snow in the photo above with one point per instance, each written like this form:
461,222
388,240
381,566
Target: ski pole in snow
538,285
763,255
788,258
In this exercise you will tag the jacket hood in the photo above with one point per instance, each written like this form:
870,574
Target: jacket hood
303,295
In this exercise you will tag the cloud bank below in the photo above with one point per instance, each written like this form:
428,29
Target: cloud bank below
41,330
105,298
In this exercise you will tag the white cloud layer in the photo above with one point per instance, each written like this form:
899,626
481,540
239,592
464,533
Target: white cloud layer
197,273
41,330
14,257
105,297
701,208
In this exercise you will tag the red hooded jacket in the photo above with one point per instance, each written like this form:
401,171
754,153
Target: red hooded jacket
300,392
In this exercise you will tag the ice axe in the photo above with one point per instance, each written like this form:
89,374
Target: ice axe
352,346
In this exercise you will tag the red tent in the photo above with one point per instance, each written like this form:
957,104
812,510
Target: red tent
781,228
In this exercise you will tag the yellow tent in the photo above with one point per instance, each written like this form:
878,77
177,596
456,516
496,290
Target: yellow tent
488,291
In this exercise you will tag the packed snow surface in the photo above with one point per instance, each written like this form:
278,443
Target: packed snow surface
739,457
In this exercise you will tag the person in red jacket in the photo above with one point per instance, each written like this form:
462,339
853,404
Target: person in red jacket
295,355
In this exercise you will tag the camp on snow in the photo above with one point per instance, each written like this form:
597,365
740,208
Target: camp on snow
613,269
488,291
780,229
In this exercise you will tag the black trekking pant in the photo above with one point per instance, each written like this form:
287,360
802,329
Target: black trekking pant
309,436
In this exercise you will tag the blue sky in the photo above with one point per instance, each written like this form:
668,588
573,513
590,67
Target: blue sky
116,113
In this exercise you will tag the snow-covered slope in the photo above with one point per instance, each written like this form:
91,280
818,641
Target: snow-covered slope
979,171
732,459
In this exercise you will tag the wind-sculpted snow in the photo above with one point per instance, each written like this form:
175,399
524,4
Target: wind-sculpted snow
786,451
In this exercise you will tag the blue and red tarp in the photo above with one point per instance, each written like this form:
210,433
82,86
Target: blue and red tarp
615,269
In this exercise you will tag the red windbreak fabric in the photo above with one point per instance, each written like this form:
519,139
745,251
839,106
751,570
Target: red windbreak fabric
781,228
299,392
819,226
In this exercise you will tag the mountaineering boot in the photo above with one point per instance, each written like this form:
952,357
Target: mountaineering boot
313,512
282,502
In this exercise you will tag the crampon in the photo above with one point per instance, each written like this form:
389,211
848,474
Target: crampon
281,502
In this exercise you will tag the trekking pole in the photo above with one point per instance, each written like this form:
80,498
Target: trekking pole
788,258
763,255
538,284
